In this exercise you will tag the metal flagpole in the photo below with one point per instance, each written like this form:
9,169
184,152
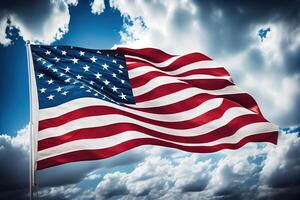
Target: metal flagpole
32,141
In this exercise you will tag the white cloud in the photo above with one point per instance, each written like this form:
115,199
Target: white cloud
282,166
98,6
61,192
160,24
241,173
271,47
40,22
258,67
4,40
112,185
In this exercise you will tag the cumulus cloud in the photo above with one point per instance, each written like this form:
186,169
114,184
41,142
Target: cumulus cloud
282,166
98,6
159,24
37,21
256,171
228,33
14,161
61,192
155,178
14,154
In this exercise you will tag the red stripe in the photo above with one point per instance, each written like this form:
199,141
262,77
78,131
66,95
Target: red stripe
178,63
125,146
114,129
106,110
145,78
151,54
243,99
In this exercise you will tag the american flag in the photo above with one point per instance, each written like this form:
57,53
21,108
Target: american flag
94,104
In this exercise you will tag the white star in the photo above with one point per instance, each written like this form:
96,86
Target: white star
123,96
82,86
120,72
122,81
114,61
39,59
93,59
50,81
86,68
121,67
99,52
79,77
43,90
96,94
75,60
64,53
59,89
92,82
105,66
55,47
81,53
114,75
106,82
68,80
67,69
56,59
98,75
61,74
50,97
88,90
65,93
44,62
47,52
114,88
41,75
49,66
54,70
75,82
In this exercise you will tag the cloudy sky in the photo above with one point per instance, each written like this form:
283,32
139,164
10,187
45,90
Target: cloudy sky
227,31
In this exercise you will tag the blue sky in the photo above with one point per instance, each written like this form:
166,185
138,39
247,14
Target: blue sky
226,31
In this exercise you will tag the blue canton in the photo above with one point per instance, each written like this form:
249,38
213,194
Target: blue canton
64,73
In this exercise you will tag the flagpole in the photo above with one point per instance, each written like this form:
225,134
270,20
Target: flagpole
32,165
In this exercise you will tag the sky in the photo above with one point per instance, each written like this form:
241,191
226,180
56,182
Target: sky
228,31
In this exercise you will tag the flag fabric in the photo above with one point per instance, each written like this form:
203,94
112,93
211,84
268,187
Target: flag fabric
94,104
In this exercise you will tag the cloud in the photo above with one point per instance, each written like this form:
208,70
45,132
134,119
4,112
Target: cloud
228,33
37,21
14,155
161,173
98,6
256,171
112,185
156,177
61,192
160,24
282,166
14,161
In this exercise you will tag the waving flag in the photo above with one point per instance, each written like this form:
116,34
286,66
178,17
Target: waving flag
94,104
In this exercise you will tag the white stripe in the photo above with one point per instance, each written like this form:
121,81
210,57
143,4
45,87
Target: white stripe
164,80
207,64
101,143
86,102
169,99
203,76
180,96
98,121
162,64
193,76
